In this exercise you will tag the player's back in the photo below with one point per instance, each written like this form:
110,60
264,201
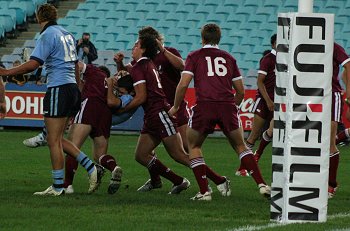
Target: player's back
267,68
339,58
95,85
56,47
213,70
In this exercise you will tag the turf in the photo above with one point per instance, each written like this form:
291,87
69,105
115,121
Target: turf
26,170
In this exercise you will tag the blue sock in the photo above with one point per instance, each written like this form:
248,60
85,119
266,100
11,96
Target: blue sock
57,176
85,162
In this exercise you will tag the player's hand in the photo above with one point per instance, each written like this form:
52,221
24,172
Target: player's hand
2,110
270,105
80,41
160,46
172,112
86,50
118,57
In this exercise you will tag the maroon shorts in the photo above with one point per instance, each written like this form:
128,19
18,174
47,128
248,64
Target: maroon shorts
160,125
182,115
206,115
337,106
96,113
260,108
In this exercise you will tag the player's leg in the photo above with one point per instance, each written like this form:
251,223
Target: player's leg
174,146
266,139
333,161
236,140
77,134
258,124
55,128
145,145
182,131
343,136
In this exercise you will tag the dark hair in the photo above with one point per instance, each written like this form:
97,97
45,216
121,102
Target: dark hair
126,82
266,52
86,33
105,70
273,39
149,43
148,30
211,34
46,13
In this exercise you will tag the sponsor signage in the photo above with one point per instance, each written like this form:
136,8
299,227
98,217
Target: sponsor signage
302,116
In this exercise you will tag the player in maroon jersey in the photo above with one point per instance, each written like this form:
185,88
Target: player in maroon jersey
169,65
264,104
215,72
340,58
158,126
94,119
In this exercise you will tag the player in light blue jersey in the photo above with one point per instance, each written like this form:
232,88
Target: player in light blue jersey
56,48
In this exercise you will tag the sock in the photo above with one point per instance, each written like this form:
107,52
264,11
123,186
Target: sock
57,176
333,168
249,145
247,160
71,166
155,178
44,133
85,162
342,136
266,139
216,178
108,162
158,168
199,169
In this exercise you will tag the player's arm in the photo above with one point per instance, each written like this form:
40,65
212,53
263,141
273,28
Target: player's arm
176,61
2,99
118,59
112,100
140,98
263,92
346,79
78,70
180,92
239,88
24,68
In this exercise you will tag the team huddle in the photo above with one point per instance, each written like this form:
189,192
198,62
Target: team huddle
157,80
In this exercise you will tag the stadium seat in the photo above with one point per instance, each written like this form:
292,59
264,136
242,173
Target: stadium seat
290,3
227,10
94,31
115,46
87,7
75,14
4,4
21,11
216,18
85,22
105,38
175,17
204,10
29,6
145,8
105,7
10,58
213,3
8,19
95,14
92,1
131,31
65,21
271,3
100,46
258,18
172,4
235,3
185,10
163,9
266,11
253,3
153,17
165,25
335,4
17,51
102,22
186,24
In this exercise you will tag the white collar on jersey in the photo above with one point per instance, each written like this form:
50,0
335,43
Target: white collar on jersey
141,59
273,51
211,46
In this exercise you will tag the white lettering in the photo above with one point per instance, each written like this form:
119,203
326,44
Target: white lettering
32,104
18,108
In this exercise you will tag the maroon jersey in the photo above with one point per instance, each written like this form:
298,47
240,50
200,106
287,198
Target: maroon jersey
339,58
213,71
169,75
144,71
95,85
267,68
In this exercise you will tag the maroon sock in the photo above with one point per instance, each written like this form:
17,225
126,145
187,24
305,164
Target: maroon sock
108,162
247,159
158,168
265,140
333,168
155,178
71,165
216,178
199,169
342,136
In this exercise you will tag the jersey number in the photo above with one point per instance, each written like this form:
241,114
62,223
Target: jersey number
219,67
157,78
69,48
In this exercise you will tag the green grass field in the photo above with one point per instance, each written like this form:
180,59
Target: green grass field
25,170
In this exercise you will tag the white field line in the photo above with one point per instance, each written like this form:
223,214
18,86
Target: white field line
273,225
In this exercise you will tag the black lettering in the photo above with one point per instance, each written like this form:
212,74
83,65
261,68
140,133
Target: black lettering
308,48
277,196
295,151
302,168
306,91
312,214
311,22
307,125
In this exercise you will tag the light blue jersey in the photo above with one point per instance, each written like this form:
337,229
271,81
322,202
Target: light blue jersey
56,48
